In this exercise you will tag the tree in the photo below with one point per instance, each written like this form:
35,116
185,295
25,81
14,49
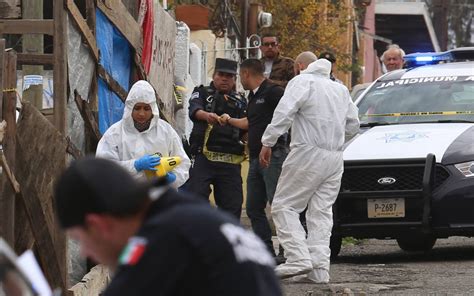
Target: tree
459,17
460,23
302,25
315,25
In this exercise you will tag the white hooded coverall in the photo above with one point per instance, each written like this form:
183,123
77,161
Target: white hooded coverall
122,142
320,113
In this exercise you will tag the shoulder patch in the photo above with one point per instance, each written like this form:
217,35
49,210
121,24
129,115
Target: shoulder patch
133,251
195,95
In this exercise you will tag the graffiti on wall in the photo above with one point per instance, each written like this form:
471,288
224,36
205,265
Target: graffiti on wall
161,74
164,55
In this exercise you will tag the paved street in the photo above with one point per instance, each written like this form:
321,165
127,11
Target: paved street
377,267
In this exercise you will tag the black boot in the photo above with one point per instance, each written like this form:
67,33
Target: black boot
280,258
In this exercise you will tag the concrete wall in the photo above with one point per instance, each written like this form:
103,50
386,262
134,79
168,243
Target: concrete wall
213,47
182,53
184,79
195,63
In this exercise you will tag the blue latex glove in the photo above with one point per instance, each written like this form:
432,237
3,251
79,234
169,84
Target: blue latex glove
147,162
170,177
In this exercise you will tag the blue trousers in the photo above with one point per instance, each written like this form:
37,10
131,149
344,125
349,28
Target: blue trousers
261,186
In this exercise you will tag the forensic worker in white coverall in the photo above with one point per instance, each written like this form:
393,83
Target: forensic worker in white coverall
141,138
320,113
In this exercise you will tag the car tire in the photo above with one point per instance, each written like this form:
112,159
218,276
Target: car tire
335,245
414,243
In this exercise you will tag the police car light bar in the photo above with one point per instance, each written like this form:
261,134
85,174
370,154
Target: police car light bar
430,58
426,58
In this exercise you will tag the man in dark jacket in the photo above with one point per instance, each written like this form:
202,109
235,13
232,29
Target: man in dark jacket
159,241
278,69
261,182
217,151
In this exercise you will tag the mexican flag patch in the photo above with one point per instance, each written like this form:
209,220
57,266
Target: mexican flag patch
133,251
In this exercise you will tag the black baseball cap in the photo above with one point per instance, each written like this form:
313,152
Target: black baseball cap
226,66
95,185
328,56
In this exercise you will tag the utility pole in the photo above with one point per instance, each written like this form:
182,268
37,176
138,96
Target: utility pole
33,44
244,13
440,21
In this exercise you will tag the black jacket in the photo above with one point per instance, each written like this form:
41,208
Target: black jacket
193,249
260,113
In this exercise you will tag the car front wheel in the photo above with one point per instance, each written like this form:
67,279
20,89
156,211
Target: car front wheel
421,242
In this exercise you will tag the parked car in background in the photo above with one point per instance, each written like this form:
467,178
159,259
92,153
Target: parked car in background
409,174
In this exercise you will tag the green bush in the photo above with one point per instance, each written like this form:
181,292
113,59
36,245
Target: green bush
350,241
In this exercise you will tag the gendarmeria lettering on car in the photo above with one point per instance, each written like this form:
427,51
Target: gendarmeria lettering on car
425,80
247,246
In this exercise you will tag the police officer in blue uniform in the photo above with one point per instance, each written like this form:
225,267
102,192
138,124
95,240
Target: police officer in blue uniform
217,150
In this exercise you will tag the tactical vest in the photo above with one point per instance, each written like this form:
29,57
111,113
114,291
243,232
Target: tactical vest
224,139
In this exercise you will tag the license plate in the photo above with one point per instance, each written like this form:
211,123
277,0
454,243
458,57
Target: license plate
386,208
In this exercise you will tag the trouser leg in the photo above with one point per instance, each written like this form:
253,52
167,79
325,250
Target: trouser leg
200,178
271,176
294,190
228,188
319,220
257,202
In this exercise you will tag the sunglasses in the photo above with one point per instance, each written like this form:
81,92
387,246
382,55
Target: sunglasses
272,44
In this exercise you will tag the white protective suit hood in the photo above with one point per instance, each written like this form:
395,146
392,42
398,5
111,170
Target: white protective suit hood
321,66
141,92
123,143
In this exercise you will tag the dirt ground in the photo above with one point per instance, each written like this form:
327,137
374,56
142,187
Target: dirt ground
379,267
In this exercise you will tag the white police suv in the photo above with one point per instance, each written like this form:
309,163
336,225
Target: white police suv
409,174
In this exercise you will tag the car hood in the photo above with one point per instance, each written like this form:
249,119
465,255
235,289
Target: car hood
449,142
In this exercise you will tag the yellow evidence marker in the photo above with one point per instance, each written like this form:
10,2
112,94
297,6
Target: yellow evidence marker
166,165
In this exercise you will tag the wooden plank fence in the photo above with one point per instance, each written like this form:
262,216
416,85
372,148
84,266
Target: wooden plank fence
34,152
7,151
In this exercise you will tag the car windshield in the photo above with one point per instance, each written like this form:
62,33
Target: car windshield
415,100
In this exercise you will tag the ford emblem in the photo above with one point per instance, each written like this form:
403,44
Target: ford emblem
386,181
